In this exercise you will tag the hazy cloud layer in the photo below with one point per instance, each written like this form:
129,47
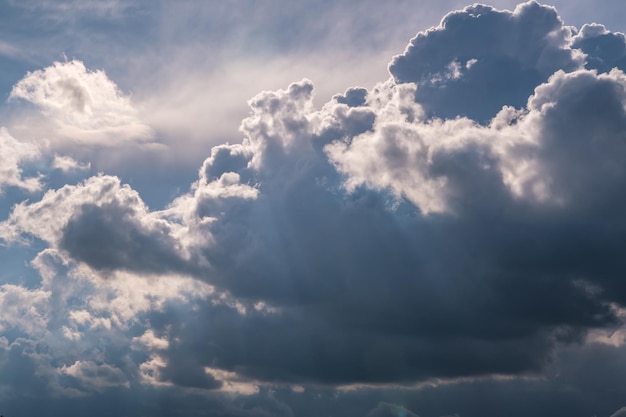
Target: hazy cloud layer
401,250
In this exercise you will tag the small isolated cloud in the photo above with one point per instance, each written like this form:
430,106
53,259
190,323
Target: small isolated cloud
83,106
68,164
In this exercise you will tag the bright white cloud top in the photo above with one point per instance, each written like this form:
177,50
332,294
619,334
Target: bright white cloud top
83,106
403,249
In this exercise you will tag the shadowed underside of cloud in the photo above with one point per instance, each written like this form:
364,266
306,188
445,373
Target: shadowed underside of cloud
464,219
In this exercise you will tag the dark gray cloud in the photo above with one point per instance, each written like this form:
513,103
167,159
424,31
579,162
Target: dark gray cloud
108,237
481,58
373,290
605,50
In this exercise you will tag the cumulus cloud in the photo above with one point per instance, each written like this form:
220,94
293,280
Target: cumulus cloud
605,50
384,239
54,333
83,220
360,276
535,154
480,58
83,106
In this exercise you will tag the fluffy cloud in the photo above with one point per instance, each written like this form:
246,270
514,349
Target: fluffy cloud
573,121
605,49
486,56
24,309
13,154
358,278
55,331
384,240
83,106
84,219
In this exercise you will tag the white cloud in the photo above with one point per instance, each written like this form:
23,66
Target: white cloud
150,341
150,371
526,148
399,152
46,218
83,106
13,154
68,164
23,309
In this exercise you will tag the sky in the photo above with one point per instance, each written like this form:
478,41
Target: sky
281,209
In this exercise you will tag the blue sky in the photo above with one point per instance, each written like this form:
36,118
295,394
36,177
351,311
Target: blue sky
312,209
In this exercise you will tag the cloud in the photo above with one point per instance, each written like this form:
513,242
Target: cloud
68,164
535,154
482,54
359,281
13,154
55,330
605,49
24,309
96,377
374,243
83,106
368,259
101,223
366,275
389,410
